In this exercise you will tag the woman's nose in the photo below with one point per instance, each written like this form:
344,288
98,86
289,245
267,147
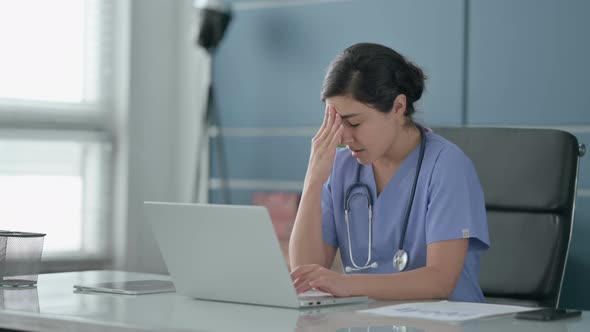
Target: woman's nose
346,137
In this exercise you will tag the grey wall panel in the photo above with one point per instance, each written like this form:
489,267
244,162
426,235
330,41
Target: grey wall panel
528,62
270,158
269,69
576,289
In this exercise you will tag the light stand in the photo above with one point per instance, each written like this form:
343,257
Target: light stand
214,17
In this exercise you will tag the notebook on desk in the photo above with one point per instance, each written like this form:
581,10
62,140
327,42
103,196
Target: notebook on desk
227,253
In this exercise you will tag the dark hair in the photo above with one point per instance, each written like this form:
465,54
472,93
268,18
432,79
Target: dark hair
374,75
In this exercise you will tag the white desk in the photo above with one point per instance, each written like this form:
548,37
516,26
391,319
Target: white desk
54,306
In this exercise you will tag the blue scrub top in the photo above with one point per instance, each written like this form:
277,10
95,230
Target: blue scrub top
448,204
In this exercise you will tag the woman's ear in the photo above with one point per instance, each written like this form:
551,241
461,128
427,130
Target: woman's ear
399,105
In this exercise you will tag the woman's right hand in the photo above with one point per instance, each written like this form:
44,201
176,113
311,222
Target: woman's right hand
323,148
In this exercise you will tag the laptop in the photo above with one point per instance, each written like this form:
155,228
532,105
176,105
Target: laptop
227,253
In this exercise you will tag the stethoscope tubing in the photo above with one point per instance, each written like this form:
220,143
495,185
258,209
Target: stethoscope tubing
408,210
366,190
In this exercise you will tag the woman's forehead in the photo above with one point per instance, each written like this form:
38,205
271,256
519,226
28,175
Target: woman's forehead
346,106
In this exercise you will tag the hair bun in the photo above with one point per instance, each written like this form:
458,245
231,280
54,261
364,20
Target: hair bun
415,82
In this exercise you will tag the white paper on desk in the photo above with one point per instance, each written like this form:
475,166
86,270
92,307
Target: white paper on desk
446,310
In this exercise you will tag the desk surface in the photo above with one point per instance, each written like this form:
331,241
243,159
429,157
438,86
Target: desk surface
54,306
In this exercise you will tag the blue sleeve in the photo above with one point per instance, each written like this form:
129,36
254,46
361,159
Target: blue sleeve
328,222
456,205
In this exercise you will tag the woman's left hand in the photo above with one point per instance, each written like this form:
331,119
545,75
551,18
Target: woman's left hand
316,276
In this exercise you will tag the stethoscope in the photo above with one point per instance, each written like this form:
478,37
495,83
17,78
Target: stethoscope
400,259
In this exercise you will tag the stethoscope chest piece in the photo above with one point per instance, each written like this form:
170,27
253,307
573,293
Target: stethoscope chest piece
400,260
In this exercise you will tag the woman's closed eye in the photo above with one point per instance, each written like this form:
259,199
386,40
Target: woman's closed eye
354,125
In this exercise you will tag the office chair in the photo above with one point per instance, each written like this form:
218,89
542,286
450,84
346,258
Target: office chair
529,178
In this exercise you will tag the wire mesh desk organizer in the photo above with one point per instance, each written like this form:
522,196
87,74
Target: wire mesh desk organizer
20,258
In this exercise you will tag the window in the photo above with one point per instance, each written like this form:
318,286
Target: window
52,51
56,114
54,184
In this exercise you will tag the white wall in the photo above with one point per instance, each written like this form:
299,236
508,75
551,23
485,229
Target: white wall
167,76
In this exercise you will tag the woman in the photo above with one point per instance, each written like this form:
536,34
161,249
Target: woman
393,170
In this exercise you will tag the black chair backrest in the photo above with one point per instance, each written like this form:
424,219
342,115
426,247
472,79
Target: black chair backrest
529,178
